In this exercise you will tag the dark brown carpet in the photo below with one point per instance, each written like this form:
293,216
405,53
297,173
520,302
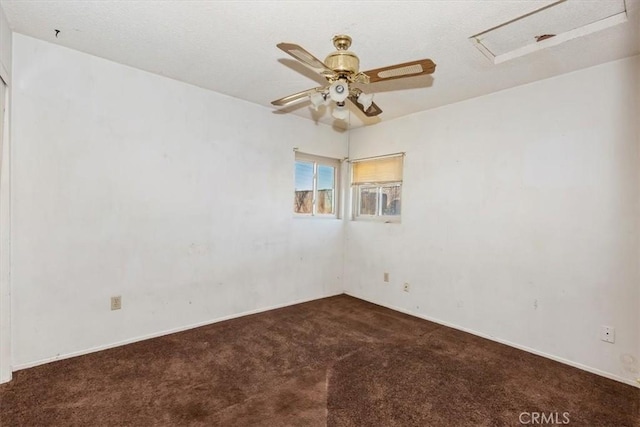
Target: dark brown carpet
337,361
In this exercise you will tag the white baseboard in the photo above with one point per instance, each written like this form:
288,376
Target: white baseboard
605,374
5,379
160,334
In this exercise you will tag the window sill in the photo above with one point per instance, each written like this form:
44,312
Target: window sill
321,217
384,220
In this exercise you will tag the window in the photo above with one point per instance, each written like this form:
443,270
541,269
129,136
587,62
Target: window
377,188
315,185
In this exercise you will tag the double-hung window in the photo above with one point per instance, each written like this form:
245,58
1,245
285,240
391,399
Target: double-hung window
316,192
377,188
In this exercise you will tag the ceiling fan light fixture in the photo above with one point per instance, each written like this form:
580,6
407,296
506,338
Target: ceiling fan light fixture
339,91
317,99
365,99
340,112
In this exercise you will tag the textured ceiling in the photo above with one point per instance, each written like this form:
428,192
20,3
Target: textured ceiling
230,47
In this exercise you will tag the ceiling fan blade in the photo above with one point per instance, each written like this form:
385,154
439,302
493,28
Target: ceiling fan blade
306,58
398,71
295,97
372,111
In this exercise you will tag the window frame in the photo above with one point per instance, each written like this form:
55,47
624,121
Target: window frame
357,188
319,161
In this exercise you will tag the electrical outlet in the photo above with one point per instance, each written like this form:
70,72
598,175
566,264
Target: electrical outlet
386,277
608,334
406,287
116,303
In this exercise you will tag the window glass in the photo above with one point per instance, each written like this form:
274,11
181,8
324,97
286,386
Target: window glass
390,200
326,185
368,201
303,201
315,188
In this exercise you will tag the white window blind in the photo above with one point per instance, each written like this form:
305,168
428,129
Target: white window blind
381,170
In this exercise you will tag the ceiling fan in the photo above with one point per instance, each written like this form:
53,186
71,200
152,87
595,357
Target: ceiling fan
341,69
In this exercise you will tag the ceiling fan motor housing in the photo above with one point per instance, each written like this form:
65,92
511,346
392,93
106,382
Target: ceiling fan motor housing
343,62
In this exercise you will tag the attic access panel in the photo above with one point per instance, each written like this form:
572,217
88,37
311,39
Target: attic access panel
557,23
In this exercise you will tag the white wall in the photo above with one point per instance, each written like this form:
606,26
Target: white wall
520,217
5,306
177,198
